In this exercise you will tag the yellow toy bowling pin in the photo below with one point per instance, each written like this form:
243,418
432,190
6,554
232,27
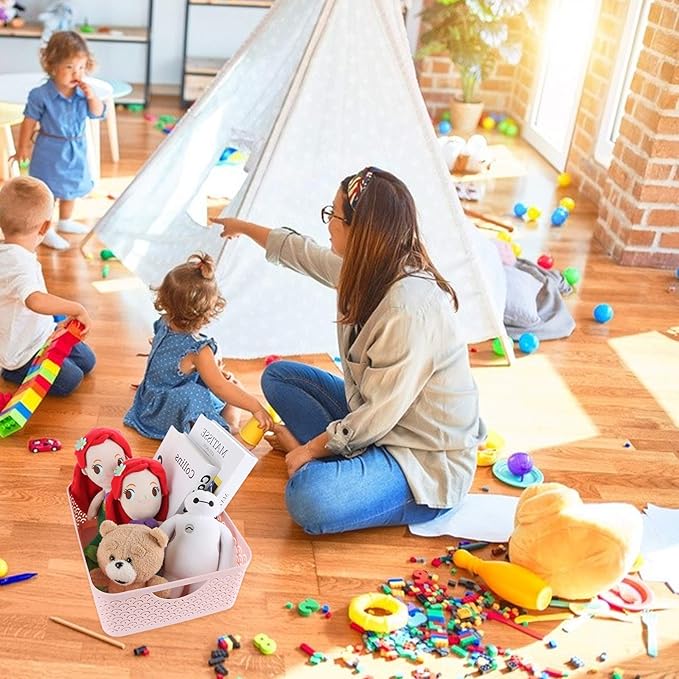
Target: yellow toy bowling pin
509,581
251,434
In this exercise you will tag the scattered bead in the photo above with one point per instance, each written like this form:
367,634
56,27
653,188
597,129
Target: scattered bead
141,650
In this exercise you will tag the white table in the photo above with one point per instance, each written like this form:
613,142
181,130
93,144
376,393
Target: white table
14,89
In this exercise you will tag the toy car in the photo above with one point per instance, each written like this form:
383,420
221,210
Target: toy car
44,445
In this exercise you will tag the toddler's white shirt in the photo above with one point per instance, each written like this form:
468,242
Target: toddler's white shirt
22,331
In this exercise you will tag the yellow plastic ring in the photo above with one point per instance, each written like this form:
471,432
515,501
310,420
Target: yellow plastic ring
360,605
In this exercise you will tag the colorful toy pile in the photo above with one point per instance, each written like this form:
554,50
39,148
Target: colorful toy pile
39,379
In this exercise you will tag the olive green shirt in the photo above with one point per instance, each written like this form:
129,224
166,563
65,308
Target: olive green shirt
407,378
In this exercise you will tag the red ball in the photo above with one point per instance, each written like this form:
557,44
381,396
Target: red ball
546,261
271,359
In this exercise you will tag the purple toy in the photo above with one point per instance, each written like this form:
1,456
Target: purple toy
520,464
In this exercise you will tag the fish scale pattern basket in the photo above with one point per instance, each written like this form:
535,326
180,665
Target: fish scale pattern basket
140,609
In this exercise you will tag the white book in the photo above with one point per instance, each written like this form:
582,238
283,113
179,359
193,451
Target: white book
234,461
187,468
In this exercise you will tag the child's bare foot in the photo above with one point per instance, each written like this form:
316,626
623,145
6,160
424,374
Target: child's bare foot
281,438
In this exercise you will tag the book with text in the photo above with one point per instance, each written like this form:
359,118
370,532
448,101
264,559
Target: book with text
233,460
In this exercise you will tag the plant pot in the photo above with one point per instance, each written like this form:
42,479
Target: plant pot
465,117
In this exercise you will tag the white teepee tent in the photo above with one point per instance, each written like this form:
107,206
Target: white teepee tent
321,89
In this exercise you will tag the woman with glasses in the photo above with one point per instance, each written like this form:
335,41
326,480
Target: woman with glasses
394,442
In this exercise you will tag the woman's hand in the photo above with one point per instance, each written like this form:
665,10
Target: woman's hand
231,227
298,457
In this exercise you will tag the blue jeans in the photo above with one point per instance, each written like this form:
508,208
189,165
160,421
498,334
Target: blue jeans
80,361
336,494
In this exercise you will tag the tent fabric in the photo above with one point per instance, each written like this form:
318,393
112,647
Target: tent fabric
321,89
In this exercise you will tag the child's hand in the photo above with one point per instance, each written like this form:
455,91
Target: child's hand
87,90
263,418
85,319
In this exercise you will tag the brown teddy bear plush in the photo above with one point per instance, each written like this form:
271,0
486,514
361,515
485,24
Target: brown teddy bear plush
579,549
129,557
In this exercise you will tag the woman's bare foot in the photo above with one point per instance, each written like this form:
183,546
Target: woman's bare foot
281,439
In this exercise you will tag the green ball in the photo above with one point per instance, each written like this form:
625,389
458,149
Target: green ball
498,349
106,254
445,116
571,274
511,129
502,126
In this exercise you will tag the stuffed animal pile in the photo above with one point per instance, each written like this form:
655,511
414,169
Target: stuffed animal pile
128,497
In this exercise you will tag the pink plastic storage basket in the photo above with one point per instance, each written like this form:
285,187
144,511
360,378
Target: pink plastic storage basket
140,610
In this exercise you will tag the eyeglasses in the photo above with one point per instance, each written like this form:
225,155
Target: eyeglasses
328,212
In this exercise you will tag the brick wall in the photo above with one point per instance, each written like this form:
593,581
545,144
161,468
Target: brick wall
639,195
439,82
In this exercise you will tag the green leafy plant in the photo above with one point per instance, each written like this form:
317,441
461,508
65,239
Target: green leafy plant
475,35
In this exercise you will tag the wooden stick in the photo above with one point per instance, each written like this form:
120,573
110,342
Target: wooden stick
490,220
88,632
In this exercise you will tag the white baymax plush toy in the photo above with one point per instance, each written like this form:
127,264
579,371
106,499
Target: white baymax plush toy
199,543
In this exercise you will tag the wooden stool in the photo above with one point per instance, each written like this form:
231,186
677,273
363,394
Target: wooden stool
10,114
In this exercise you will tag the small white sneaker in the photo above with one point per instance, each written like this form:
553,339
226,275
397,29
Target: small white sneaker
53,240
69,226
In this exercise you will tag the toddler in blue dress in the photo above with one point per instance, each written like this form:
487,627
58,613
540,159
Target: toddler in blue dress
61,106
182,378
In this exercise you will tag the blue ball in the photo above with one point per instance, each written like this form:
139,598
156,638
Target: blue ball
520,209
603,313
528,343
445,127
676,273
559,216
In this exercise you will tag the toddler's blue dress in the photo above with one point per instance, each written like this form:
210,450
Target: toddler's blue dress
60,154
166,396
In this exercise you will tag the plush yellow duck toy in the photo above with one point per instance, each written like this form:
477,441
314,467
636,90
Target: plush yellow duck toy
578,549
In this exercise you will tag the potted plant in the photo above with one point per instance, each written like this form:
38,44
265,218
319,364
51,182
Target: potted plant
475,35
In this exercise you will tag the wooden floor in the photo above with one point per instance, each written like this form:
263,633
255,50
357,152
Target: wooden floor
573,404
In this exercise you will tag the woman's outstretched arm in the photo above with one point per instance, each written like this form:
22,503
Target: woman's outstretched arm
232,228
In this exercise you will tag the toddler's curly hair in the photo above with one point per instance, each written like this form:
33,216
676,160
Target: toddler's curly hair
189,296
65,45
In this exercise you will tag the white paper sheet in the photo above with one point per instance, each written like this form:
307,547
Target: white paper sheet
660,545
482,516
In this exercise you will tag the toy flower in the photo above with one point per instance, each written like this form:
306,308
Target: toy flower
81,443
119,470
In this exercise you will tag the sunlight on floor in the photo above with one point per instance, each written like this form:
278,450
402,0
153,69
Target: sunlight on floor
654,360
119,284
531,406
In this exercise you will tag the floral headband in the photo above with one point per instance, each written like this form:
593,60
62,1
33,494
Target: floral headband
358,184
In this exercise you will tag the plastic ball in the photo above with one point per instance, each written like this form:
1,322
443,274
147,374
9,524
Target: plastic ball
520,464
445,116
571,274
603,313
528,343
502,126
444,127
563,180
567,203
511,129
4,568
676,273
498,349
545,261
520,209
505,236
488,123
559,216
533,213
517,249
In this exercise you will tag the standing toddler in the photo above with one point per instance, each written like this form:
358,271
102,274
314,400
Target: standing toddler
61,107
